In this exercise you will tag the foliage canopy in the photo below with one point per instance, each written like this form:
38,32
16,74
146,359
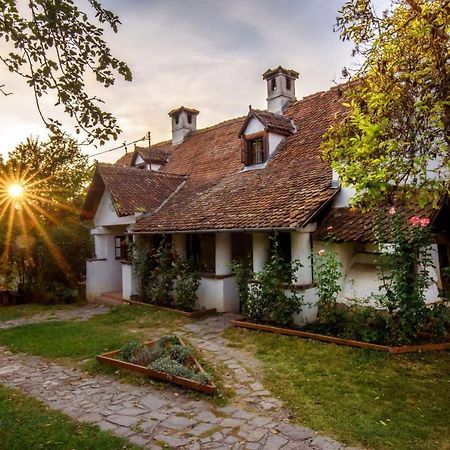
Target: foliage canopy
396,137
56,48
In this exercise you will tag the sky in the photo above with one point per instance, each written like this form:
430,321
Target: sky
204,54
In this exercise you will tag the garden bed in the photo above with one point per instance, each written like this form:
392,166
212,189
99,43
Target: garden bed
339,341
113,358
191,314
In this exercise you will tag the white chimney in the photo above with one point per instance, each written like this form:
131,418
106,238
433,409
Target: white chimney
280,88
184,120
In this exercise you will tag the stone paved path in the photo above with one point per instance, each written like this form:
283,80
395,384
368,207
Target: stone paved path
82,313
150,417
242,369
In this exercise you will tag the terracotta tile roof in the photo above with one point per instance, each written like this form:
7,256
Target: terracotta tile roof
271,121
158,154
217,195
125,160
353,225
131,189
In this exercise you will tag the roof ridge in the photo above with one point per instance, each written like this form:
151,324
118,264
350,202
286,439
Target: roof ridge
143,171
318,93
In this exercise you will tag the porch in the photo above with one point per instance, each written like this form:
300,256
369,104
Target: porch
212,254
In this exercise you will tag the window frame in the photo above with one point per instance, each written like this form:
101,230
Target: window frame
196,254
248,156
122,247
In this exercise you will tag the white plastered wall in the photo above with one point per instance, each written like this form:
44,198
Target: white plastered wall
106,214
359,279
104,272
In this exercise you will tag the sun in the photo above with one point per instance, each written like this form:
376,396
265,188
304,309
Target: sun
15,190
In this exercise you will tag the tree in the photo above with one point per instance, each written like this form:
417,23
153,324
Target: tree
395,140
54,49
44,247
58,173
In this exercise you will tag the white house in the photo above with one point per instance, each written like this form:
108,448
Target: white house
220,192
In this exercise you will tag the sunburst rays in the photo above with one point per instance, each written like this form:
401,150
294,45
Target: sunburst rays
24,200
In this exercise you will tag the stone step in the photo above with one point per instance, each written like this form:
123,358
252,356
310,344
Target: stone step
117,295
109,298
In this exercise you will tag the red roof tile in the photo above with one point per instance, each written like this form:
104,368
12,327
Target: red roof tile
353,225
217,195
272,122
131,189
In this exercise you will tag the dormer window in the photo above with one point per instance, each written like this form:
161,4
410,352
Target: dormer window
189,118
274,84
255,149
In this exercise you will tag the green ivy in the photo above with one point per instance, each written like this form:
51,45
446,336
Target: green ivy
263,294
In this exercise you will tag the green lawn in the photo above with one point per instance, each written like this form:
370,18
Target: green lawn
80,340
75,342
30,309
26,423
361,397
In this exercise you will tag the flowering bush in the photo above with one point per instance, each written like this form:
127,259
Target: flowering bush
404,268
327,273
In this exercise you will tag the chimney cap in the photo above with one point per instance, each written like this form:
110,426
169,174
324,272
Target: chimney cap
269,73
181,109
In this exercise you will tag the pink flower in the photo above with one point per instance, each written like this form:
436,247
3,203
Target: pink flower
424,222
391,211
414,220
329,227
322,252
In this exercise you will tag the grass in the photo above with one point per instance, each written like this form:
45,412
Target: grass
30,309
26,423
361,397
79,342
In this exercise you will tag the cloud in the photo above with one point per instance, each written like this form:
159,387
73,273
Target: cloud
207,54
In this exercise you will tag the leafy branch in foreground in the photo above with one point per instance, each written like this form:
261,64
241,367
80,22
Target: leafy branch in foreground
396,137
54,49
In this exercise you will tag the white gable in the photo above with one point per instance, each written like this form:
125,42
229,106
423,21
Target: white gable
106,214
254,126
139,160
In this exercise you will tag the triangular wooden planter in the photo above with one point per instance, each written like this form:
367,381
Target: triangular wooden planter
112,359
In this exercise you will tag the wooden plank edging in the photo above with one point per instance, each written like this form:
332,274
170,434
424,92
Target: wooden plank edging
339,341
109,358
193,314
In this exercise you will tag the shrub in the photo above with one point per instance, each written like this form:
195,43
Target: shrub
186,285
327,273
129,349
167,355
404,271
155,271
265,299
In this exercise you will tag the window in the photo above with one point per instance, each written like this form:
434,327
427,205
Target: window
273,84
177,118
121,247
189,118
255,149
288,83
201,251
242,249
284,245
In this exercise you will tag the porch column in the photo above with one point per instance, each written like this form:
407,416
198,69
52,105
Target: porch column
301,250
101,235
179,244
223,253
260,250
